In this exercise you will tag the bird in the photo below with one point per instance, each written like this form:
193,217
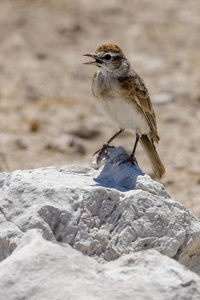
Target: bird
121,95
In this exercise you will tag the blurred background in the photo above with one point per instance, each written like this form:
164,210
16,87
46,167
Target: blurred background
48,114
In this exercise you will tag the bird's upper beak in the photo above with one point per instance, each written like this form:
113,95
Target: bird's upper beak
93,55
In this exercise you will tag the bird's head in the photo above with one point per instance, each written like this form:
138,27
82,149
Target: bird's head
109,57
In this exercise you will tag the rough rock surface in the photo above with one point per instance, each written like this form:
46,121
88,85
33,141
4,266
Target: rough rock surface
97,211
40,269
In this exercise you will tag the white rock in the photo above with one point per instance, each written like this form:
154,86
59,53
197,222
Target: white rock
39,269
103,213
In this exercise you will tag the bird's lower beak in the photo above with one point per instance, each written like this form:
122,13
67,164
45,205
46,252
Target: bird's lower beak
93,55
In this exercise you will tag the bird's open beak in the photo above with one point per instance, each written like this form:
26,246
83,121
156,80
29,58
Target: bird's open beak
93,55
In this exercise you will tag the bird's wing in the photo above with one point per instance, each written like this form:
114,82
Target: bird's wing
144,101
135,85
142,94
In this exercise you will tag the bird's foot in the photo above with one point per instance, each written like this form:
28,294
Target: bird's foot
130,159
102,150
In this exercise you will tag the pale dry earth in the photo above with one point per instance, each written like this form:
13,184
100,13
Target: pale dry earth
45,91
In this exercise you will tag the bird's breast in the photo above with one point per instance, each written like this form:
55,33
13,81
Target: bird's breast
116,107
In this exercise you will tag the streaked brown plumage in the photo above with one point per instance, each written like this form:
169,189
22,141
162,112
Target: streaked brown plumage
122,96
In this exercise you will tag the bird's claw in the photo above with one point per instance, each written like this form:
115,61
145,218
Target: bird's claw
102,150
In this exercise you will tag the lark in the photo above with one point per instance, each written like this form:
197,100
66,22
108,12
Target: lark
123,98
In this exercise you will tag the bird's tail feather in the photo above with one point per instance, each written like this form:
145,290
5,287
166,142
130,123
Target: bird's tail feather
151,152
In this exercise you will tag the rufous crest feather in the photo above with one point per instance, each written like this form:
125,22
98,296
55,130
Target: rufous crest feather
108,48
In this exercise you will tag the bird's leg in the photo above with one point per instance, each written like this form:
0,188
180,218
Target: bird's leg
132,158
103,149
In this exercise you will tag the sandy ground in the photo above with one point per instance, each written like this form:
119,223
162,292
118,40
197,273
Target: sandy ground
48,114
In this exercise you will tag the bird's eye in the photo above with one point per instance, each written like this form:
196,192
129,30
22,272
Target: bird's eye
107,57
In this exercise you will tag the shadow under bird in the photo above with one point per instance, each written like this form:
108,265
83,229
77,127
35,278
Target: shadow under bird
123,98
